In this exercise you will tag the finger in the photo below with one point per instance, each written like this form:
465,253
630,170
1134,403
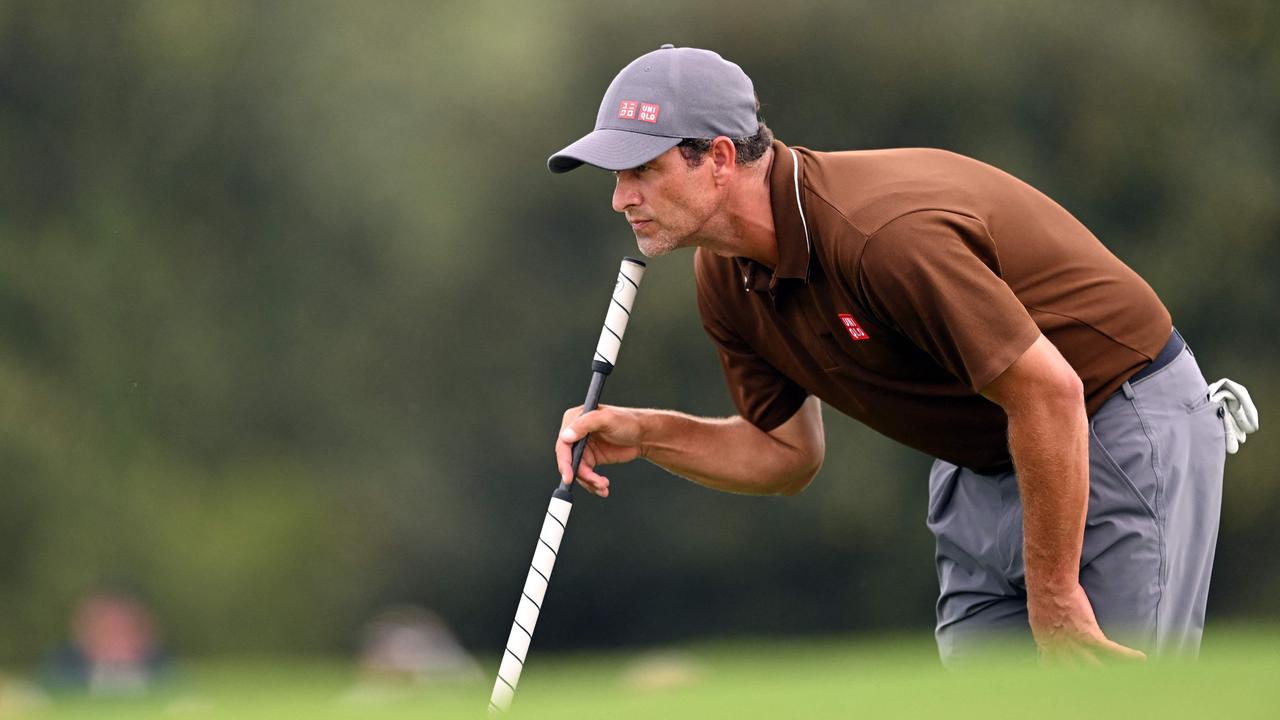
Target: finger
1120,652
585,480
588,475
1059,657
1071,655
564,452
564,460
1248,412
594,487
601,491
585,424
1086,657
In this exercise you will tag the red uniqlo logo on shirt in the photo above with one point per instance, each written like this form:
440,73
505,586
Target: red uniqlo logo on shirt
855,330
627,110
649,112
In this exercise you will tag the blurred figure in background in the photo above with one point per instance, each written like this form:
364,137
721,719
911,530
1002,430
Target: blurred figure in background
413,644
115,648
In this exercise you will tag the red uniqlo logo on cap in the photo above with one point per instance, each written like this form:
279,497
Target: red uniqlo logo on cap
649,112
627,110
855,330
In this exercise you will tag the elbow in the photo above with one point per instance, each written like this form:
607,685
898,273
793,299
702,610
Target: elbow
795,486
1074,387
1068,396
800,479
1057,401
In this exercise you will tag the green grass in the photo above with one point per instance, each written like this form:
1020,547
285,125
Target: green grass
1238,677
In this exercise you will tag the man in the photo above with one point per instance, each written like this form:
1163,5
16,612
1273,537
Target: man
946,305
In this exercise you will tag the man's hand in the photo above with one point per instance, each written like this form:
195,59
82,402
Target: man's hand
728,454
615,438
1067,633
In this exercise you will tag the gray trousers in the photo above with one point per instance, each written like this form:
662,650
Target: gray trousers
1156,454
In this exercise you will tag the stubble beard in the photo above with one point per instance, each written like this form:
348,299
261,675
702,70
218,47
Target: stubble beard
660,239
656,245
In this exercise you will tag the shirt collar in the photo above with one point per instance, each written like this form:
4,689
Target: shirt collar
790,226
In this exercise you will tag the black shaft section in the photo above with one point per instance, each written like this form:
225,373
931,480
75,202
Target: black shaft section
591,403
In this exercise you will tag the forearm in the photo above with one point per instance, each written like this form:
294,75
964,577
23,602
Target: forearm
1049,443
728,454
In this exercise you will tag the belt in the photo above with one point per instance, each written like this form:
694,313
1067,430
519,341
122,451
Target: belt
1171,350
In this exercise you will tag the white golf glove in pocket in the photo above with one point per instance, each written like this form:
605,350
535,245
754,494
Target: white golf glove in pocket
1240,417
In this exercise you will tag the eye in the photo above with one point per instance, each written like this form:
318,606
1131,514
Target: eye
633,172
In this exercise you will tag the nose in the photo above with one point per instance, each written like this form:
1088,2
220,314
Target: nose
624,194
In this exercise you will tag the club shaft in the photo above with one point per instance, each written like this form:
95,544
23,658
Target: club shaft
531,598
557,517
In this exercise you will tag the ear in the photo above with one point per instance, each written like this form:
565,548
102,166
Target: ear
723,157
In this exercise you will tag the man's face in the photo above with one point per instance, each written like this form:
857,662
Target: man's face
665,201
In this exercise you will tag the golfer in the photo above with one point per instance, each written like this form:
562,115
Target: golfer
953,308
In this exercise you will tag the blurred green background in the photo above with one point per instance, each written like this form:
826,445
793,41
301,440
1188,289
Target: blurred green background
290,306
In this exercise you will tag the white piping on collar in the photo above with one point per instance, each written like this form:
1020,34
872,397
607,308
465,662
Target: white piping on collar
795,178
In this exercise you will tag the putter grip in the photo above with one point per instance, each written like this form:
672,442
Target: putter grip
615,322
535,588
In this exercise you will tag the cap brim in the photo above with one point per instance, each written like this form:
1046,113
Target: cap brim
611,150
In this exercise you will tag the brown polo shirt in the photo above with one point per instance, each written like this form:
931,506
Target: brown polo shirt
907,281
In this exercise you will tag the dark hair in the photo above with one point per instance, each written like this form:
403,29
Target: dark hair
750,149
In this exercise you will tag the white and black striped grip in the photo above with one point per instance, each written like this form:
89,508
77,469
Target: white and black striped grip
535,588
615,322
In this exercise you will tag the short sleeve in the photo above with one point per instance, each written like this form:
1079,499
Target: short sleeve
761,394
934,275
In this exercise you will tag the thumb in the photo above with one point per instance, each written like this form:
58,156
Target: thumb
582,426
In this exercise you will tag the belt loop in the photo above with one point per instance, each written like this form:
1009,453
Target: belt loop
1127,389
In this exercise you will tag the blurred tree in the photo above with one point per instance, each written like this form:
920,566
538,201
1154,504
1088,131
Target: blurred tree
290,308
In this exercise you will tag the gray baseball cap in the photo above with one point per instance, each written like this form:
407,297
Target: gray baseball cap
660,99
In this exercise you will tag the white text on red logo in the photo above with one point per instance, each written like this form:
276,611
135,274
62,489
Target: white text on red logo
649,112
855,330
627,110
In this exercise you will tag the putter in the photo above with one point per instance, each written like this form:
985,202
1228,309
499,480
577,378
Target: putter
553,525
